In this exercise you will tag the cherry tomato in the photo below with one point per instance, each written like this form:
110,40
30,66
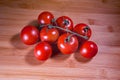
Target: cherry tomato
65,22
89,49
45,18
29,35
67,44
42,51
83,30
49,34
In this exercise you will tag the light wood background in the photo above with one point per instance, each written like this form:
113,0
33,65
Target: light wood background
17,61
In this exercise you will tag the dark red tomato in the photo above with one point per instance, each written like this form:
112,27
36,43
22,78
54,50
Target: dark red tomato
49,35
30,35
42,51
89,49
65,22
83,30
45,18
67,44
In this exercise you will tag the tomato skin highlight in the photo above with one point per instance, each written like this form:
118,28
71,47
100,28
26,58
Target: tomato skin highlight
67,47
29,35
43,51
80,29
65,22
89,49
49,35
45,18
59,35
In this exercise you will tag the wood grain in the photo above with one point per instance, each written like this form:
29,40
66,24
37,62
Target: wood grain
17,61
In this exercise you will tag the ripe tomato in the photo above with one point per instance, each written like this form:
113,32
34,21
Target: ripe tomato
29,35
83,30
89,49
42,51
67,44
65,22
49,35
45,18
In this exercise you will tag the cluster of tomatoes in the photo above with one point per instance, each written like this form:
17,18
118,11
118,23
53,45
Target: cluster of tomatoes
60,32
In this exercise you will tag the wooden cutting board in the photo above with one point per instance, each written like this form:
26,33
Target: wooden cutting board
17,61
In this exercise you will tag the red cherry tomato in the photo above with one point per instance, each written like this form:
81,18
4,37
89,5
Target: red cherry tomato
42,51
45,18
89,49
30,35
49,35
83,30
67,44
65,22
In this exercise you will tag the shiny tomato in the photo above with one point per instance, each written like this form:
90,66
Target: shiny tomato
45,18
89,49
83,30
49,34
42,51
29,35
67,44
65,22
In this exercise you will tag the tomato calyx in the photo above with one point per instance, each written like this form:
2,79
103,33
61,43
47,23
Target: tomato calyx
53,20
86,30
49,27
67,40
66,22
58,34
68,31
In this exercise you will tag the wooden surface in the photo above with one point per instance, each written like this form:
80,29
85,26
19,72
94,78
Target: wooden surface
17,61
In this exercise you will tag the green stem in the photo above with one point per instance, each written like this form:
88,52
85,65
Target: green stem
86,30
85,37
68,38
67,30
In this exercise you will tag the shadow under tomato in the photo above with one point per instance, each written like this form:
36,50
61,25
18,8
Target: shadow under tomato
57,55
35,23
17,43
31,60
80,58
